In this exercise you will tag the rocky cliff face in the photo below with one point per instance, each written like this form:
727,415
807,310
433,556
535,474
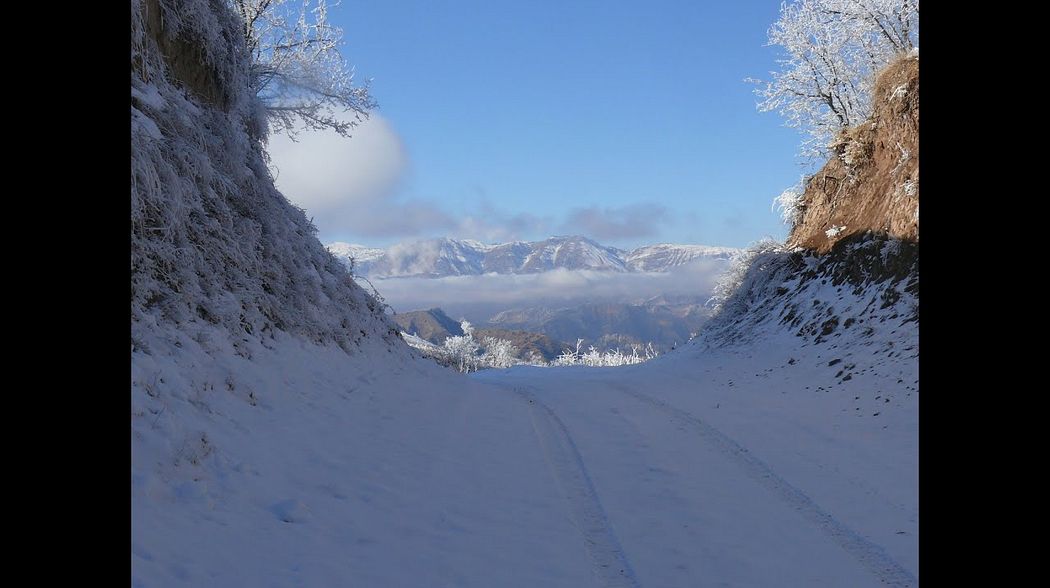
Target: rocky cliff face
871,183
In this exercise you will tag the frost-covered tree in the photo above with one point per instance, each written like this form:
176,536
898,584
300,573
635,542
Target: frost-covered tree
569,356
297,71
465,354
732,280
462,351
834,49
791,204
499,353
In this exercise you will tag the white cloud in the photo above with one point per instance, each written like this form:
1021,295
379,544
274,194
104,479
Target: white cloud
351,184
617,223
489,224
323,170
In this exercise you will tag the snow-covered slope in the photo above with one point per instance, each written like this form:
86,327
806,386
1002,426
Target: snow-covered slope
451,257
212,241
849,294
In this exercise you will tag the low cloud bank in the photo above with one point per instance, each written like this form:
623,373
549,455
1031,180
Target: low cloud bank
560,286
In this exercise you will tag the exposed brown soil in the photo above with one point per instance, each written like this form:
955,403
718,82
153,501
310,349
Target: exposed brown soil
184,58
871,183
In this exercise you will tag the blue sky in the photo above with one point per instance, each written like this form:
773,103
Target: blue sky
628,122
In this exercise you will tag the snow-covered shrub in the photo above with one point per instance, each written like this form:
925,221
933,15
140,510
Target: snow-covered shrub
462,351
790,204
499,353
569,356
733,279
465,354
595,358
854,153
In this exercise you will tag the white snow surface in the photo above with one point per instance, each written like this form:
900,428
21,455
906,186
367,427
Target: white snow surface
748,465
834,231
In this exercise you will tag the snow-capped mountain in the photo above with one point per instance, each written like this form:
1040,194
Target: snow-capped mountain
658,258
572,253
452,257
359,253
433,257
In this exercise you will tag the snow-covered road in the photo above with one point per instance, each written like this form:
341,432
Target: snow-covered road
663,498
756,466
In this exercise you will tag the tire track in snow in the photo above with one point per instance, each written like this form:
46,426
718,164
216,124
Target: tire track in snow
869,554
608,561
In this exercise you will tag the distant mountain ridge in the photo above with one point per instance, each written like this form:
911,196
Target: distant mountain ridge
443,257
431,325
663,321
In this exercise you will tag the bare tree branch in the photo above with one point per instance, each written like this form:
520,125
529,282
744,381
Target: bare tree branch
834,48
297,71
